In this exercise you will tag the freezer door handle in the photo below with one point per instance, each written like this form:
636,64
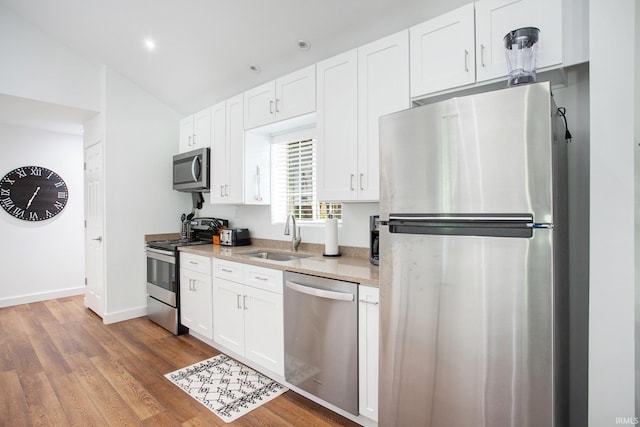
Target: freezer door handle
463,218
498,225
322,293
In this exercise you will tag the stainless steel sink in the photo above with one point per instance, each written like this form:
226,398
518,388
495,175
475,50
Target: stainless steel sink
275,256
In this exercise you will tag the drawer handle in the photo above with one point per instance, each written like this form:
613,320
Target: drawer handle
369,302
227,270
194,262
264,279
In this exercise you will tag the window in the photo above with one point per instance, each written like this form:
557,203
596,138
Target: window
293,180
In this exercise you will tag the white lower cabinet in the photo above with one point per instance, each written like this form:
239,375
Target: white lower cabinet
368,333
248,312
195,294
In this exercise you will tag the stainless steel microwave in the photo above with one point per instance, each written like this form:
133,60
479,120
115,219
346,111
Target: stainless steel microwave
191,170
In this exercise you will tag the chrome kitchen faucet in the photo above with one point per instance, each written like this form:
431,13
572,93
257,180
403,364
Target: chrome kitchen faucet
295,236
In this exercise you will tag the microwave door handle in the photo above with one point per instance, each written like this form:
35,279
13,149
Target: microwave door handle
195,169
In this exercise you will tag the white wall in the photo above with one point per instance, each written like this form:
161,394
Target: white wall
611,326
353,230
141,136
45,259
35,67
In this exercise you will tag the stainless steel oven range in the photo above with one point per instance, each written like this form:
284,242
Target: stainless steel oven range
163,273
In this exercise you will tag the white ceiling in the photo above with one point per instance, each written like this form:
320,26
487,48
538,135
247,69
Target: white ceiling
205,47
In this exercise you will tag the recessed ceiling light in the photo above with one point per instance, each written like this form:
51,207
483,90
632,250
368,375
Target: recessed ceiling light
303,45
150,44
255,68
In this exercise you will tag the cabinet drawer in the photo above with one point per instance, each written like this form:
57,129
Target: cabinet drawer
263,278
228,270
199,263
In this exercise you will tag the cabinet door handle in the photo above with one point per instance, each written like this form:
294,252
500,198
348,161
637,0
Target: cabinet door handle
466,60
238,301
226,187
221,187
271,106
244,301
482,54
277,109
369,302
351,182
361,181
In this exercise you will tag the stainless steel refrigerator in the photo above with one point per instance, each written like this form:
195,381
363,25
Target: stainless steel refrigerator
473,263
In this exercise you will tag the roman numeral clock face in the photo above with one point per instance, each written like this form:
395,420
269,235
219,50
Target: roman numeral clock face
33,193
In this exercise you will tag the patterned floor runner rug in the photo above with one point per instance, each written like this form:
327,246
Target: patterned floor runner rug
225,386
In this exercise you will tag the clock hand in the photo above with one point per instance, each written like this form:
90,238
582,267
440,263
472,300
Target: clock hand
33,197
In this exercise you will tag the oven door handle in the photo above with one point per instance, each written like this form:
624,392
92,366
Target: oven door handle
157,255
322,293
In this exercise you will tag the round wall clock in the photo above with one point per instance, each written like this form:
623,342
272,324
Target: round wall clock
33,193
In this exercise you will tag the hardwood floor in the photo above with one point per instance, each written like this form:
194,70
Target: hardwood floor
60,365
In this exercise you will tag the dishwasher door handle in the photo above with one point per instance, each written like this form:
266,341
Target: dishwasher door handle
340,296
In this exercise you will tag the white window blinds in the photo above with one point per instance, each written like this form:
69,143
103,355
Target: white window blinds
293,180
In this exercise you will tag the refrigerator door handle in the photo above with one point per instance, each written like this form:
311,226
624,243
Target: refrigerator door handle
463,218
497,225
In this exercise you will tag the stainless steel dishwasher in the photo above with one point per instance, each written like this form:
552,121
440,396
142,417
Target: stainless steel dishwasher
321,338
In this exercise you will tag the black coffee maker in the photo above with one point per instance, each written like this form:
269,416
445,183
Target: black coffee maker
374,239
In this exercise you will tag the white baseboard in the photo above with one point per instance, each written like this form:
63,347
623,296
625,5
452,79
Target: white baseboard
120,316
43,296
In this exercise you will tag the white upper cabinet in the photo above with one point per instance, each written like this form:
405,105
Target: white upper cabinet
337,127
442,52
289,96
227,152
195,131
354,90
383,88
495,18
465,46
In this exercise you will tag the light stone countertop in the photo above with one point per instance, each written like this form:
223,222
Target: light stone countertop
352,266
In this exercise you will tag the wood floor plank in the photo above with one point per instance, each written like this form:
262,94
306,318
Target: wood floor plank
65,310
108,341
49,356
181,406
26,361
77,406
44,407
85,342
179,353
140,349
130,389
107,400
13,406
61,338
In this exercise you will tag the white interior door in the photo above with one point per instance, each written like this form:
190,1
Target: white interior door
94,228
